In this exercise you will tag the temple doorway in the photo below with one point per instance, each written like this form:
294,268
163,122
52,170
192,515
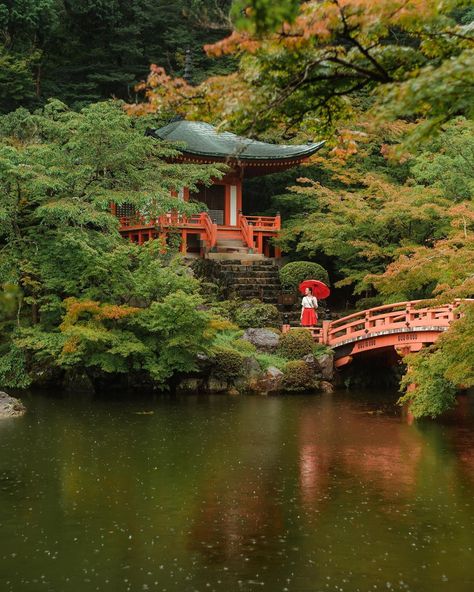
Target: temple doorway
214,198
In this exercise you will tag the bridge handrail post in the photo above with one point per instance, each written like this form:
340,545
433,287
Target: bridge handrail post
325,332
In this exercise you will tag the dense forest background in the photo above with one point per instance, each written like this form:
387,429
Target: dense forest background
83,51
386,208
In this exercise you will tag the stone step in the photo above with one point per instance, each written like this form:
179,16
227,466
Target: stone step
235,250
258,275
256,293
232,257
230,242
250,270
246,269
263,262
256,282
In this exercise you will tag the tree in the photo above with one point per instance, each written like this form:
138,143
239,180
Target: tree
87,50
435,374
83,296
308,66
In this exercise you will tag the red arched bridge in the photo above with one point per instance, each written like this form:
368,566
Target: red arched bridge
399,328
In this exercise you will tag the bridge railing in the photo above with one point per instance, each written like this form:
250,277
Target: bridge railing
390,318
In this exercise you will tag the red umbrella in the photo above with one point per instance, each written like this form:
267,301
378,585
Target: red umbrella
320,290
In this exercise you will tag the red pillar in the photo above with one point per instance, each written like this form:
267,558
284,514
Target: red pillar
239,195
227,205
184,242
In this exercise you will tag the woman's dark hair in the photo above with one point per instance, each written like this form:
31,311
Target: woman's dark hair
311,290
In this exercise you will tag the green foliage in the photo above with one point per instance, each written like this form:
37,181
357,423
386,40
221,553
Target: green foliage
316,70
88,50
446,161
227,362
16,83
78,296
292,274
438,92
364,217
266,360
433,394
232,339
298,376
13,367
263,16
435,374
320,349
248,313
254,313
295,344
226,309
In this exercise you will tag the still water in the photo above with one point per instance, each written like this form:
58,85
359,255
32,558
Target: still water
286,494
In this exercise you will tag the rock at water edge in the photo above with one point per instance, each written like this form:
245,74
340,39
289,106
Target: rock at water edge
10,407
326,366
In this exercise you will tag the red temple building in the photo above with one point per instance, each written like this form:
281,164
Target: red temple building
227,226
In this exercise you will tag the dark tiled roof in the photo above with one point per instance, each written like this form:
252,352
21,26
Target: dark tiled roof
202,139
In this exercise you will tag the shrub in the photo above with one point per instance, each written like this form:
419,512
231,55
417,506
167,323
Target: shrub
292,274
226,309
227,362
295,344
254,313
298,376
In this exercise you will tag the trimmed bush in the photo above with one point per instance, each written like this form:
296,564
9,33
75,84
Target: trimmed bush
295,344
227,363
292,274
298,376
254,313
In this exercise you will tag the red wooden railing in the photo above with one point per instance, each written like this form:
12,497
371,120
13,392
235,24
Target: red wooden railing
246,230
165,220
251,229
391,318
264,222
210,227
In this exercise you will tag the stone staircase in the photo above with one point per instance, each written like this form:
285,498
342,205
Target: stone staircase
251,279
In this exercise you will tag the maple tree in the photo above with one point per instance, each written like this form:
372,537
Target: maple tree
306,67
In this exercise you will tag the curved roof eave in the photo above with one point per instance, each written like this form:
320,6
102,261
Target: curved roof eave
203,140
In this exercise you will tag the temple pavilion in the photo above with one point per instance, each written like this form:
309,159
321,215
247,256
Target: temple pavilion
227,226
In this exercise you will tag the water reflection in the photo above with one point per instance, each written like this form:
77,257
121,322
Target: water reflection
297,493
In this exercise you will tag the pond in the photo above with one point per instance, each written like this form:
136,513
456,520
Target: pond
201,493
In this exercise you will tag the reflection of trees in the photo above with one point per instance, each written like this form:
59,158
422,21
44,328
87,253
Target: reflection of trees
280,482
238,512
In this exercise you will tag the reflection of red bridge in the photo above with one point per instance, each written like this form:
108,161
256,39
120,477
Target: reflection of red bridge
401,327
